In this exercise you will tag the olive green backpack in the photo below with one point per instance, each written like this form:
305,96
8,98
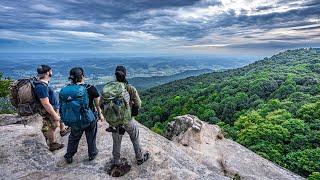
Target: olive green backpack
116,103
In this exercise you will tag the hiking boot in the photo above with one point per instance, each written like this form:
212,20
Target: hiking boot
55,146
144,159
92,157
111,129
65,131
109,168
69,160
121,130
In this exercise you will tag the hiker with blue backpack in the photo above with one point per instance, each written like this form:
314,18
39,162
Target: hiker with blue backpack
79,102
121,103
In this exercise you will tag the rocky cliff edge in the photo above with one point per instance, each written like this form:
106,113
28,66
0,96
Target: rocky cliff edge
192,150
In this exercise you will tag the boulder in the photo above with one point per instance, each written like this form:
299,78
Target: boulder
185,130
208,147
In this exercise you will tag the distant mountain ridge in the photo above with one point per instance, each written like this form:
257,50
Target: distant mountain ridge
149,82
142,83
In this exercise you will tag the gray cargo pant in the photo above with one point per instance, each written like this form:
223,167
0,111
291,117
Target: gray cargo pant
133,131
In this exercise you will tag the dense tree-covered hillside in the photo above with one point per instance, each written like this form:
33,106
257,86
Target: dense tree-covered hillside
271,106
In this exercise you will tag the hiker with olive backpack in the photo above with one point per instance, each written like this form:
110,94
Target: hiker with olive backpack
121,102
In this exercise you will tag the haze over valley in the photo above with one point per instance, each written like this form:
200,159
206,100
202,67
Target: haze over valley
99,68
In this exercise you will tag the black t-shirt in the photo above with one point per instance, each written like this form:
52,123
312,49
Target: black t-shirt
93,93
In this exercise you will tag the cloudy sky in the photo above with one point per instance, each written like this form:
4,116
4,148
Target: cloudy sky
159,26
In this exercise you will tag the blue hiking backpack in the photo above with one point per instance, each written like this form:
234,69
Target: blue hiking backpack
74,106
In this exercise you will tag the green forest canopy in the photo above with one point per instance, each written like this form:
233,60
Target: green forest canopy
5,106
271,106
4,86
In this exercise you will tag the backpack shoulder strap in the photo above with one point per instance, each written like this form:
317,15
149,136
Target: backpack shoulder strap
34,82
129,88
88,86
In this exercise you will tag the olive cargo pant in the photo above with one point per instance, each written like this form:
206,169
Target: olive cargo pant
133,131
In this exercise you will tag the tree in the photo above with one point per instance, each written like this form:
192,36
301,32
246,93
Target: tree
285,89
263,87
5,105
310,113
248,120
271,105
314,176
4,86
304,162
158,128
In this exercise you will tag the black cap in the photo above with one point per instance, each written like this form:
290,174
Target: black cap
76,72
42,69
121,69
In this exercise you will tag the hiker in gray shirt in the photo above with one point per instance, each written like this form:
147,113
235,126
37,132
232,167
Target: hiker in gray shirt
129,126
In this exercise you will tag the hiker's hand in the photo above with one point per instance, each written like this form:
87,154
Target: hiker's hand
57,123
101,117
56,118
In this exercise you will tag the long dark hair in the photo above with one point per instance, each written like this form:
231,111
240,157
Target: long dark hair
121,77
76,75
121,74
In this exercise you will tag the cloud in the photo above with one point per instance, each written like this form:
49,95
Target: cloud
19,36
205,45
44,8
84,34
61,23
5,8
140,24
139,35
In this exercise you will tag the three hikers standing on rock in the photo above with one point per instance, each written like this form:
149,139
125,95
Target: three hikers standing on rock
80,108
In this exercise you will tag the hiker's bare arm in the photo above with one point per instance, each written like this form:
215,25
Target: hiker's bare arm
97,105
48,107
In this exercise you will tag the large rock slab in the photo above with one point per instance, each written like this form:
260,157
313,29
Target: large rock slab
23,151
25,155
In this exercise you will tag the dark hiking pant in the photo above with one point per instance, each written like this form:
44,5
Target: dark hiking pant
133,131
75,136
